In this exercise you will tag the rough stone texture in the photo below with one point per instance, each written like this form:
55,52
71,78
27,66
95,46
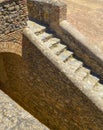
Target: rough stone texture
49,11
14,117
13,16
13,19
14,37
10,47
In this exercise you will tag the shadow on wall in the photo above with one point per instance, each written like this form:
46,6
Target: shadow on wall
21,83
19,80
1,84
25,84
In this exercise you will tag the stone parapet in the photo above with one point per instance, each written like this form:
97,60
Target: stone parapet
49,11
13,15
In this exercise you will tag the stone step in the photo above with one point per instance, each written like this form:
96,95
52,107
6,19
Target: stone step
78,72
65,55
58,49
98,88
52,42
81,73
73,64
36,28
98,91
90,81
44,36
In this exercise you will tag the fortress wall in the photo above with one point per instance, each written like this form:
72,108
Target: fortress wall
54,13
13,17
54,99
40,87
36,82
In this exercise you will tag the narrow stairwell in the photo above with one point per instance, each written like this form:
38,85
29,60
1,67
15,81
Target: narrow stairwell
76,67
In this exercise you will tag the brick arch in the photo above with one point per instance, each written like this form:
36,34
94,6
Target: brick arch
10,47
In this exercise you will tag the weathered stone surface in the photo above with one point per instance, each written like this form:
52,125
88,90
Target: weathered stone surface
14,37
48,11
13,16
13,116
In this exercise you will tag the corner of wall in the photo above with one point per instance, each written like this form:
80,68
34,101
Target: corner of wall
50,12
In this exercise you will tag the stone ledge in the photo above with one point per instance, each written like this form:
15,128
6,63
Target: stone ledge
13,116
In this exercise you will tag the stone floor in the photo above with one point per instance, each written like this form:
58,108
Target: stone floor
14,117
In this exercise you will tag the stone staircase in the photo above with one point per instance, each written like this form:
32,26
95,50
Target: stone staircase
76,67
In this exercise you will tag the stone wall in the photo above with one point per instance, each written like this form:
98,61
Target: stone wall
13,16
49,11
46,92
14,37
41,88
13,116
